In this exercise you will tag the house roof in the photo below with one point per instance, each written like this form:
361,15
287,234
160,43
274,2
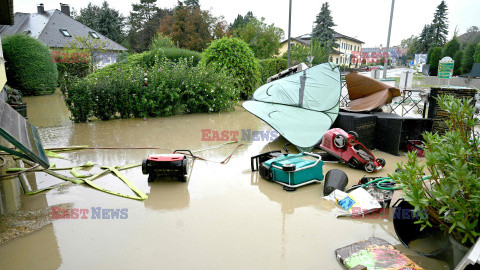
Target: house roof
46,28
338,35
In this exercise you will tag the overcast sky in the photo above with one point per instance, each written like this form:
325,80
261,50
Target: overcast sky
366,20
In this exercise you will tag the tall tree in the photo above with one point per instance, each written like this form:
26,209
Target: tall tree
472,35
452,47
476,56
467,61
300,52
426,38
105,20
189,27
263,39
324,24
241,21
144,20
440,24
192,3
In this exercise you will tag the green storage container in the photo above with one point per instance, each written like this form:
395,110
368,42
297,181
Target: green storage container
308,168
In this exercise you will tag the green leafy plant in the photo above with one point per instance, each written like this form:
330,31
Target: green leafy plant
161,41
29,65
235,57
451,195
270,67
173,87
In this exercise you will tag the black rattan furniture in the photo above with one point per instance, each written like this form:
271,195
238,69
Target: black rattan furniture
362,124
392,131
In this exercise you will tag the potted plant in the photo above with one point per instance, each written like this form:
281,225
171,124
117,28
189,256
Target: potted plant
447,184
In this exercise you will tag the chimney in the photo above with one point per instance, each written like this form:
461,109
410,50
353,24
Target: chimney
65,8
40,9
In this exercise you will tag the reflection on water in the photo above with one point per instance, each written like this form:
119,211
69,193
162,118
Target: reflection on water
47,110
223,217
168,195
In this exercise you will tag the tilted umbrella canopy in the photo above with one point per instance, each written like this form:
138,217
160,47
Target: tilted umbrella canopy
302,106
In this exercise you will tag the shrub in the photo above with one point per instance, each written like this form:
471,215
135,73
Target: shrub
176,54
29,65
236,57
270,67
161,41
457,70
72,64
436,56
451,195
476,56
173,87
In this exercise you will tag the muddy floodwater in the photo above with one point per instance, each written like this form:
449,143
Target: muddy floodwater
224,217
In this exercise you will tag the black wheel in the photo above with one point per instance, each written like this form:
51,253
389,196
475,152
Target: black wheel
370,167
144,166
151,177
183,178
340,141
289,189
381,161
354,134
289,167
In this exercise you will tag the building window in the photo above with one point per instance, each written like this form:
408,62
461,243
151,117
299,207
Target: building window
65,33
336,60
94,35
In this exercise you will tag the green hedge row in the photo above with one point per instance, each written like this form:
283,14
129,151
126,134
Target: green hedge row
270,67
173,87
29,65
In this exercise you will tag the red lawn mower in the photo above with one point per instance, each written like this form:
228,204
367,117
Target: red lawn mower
173,165
348,150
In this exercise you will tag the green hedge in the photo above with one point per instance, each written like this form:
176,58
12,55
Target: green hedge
270,67
173,87
29,65
236,57
176,54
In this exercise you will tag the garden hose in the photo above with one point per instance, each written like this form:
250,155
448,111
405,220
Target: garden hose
387,180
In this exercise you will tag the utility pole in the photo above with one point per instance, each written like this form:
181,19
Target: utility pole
385,66
289,30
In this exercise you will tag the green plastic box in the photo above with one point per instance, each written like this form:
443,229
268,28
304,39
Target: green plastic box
308,169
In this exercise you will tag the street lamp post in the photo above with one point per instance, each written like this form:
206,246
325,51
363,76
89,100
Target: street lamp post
385,66
289,30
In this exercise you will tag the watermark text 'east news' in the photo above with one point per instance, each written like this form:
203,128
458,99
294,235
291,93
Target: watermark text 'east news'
243,135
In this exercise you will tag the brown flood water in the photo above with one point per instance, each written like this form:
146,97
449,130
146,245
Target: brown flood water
225,217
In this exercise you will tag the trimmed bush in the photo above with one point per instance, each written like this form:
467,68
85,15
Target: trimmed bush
270,67
457,68
173,87
436,57
29,65
235,56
